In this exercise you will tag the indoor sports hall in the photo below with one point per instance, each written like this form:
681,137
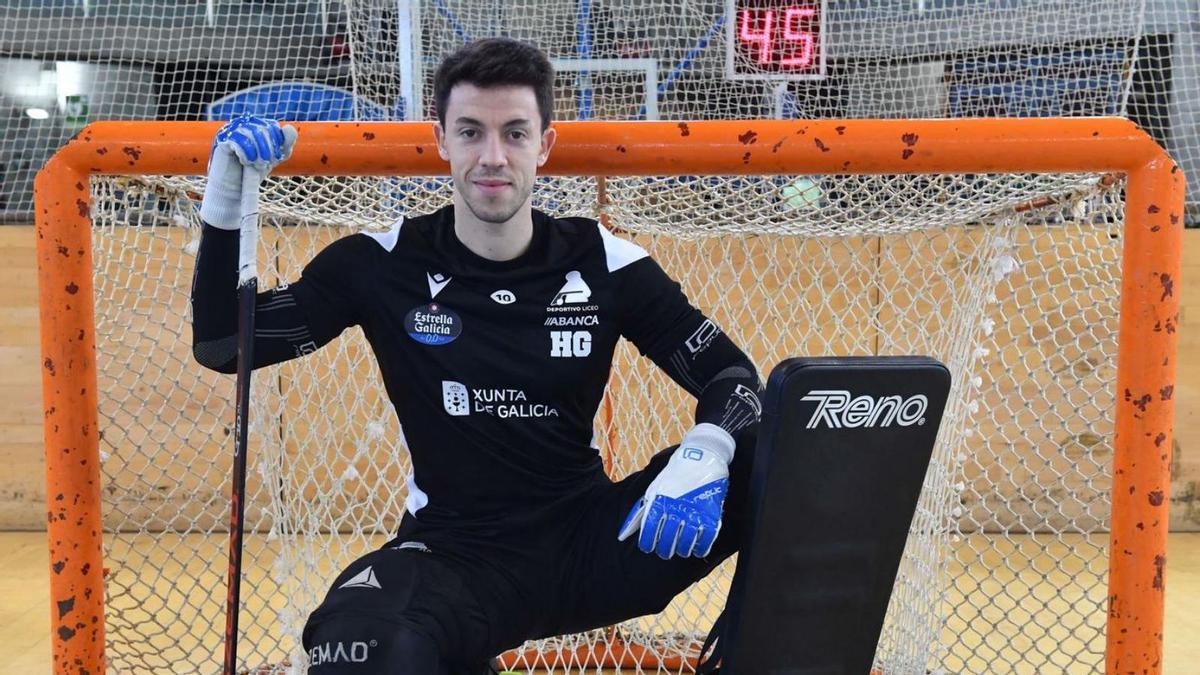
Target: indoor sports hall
1011,187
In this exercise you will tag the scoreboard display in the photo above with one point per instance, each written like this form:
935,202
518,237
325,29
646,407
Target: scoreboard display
775,39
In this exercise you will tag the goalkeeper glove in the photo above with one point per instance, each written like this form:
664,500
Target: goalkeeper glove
680,513
250,142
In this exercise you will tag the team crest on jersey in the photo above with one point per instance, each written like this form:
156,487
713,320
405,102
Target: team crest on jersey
574,292
433,324
574,298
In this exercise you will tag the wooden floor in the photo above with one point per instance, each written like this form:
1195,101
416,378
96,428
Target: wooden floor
24,604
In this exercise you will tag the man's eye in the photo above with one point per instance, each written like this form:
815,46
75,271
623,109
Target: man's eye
517,135
467,133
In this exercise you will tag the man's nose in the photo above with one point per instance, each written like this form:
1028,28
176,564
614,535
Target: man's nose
493,152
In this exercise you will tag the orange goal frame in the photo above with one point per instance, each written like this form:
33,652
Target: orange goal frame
1149,304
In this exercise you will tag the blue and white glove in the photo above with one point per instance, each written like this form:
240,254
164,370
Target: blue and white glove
256,143
681,511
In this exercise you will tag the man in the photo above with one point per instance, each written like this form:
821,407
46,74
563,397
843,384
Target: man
494,326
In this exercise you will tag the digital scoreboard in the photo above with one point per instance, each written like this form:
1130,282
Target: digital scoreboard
774,39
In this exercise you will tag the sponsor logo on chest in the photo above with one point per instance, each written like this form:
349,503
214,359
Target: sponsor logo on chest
460,400
433,324
585,320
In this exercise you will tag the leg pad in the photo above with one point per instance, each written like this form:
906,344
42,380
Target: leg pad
839,465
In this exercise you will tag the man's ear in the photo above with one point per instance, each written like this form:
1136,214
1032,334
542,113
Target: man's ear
548,137
439,135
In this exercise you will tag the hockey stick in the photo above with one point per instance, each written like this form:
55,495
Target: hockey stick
247,291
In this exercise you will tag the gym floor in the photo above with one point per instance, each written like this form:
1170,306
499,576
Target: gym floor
25,604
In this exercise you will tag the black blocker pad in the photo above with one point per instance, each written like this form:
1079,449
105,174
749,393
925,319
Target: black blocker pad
842,453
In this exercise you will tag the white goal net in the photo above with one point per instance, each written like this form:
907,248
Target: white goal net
1005,568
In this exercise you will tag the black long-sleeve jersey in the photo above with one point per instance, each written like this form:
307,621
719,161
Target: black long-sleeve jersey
496,369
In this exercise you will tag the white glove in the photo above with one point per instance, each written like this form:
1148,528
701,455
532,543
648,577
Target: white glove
247,141
681,511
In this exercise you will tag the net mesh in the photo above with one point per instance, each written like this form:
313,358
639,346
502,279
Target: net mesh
80,60
1011,280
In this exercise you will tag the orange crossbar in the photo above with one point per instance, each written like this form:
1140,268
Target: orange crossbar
1149,293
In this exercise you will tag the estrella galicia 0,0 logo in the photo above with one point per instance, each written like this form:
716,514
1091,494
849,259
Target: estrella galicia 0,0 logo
433,324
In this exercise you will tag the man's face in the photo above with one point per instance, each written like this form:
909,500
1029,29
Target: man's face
494,142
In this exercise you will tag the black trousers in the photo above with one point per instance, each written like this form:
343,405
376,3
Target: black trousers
445,602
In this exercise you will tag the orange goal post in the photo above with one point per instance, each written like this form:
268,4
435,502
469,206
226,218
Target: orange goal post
1039,258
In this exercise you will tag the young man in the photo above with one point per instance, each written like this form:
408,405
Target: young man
494,326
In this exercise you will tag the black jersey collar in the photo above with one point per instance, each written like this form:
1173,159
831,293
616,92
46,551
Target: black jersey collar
469,261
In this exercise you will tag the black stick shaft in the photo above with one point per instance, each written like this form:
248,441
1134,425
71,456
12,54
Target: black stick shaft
247,295
245,362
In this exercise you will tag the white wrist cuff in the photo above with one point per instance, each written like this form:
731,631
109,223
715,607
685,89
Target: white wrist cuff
220,210
711,437
221,206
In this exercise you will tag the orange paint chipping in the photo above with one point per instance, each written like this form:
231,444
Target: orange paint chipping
1149,303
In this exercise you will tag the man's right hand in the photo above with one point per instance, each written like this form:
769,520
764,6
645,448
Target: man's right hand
246,142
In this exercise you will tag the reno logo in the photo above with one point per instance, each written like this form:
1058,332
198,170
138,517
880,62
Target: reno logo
838,408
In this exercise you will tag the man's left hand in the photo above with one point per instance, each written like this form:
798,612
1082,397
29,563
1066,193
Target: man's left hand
680,513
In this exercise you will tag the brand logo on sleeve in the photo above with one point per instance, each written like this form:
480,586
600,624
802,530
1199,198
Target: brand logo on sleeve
702,337
749,397
433,324
574,292
838,408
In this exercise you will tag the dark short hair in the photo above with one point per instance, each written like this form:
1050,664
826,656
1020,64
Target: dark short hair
496,62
